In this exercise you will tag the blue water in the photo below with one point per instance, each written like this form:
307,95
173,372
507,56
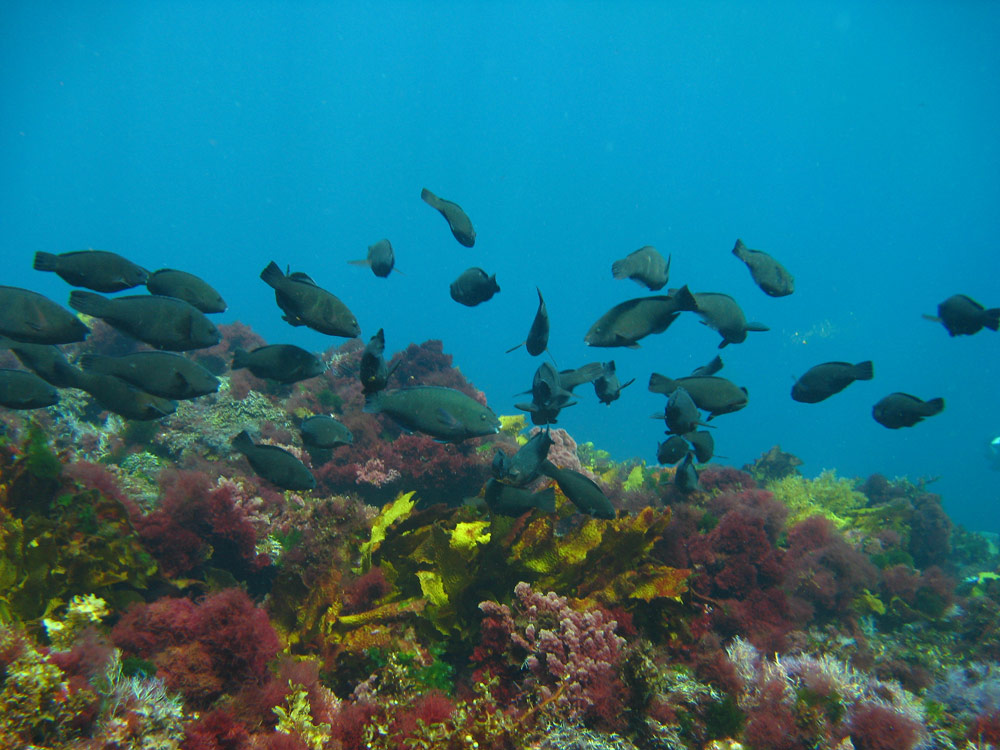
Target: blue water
856,142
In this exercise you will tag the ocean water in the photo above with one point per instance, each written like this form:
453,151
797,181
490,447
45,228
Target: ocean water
855,142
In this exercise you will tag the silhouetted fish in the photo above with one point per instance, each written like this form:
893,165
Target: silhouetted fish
582,491
768,274
162,322
275,464
712,394
963,316
645,266
20,389
170,282
163,374
626,323
45,360
548,397
681,414
607,387
94,269
686,476
538,334
721,313
306,304
442,413
373,371
124,399
506,500
380,259
903,410
523,466
703,444
458,222
29,317
285,363
474,286
321,431
588,373
671,450
822,381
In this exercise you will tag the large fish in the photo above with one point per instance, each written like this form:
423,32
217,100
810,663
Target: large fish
380,259
442,413
903,410
163,374
285,363
772,277
169,282
162,322
20,389
505,500
582,491
275,464
822,381
628,322
125,400
45,360
457,220
645,266
607,387
306,304
32,318
963,316
712,394
538,334
474,286
721,313
94,269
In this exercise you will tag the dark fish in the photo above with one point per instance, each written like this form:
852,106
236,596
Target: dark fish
645,266
285,363
115,395
768,274
721,313
321,431
626,323
374,372
686,476
582,491
275,464
20,389
681,414
588,373
671,450
548,397
703,444
712,394
499,465
94,269
523,466
162,322
46,361
822,381
903,410
163,374
506,500
474,286
306,304
707,370
35,319
168,282
607,387
963,316
380,258
538,334
442,413
458,222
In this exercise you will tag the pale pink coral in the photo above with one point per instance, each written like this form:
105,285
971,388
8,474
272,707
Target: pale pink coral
373,472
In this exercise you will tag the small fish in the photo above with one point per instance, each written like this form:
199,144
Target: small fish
588,373
374,372
32,318
721,313
505,500
443,413
321,431
45,360
963,316
903,410
628,322
275,464
645,266
703,444
162,322
686,476
94,269
474,286
822,381
523,467
767,273
306,304
538,334
671,450
20,389
457,220
163,374
681,414
115,395
285,363
380,259
712,394
607,387
168,282
582,491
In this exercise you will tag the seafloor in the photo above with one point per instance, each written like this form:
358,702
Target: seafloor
155,593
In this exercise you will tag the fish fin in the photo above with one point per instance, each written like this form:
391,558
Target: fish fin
545,500
242,442
931,318
864,370
513,348
685,300
88,303
360,262
625,385
447,419
661,384
739,249
429,198
46,261
991,318
398,271
618,270
934,406
755,326
272,275
91,362
373,403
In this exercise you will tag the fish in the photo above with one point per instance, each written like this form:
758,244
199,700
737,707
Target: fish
163,374
538,334
963,316
645,266
380,259
712,394
169,282
474,286
20,389
374,372
607,387
93,269
588,373
458,221
498,467
681,414
276,465
822,381
772,277
443,413
307,304
285,363
582,491
721,313
506,500
686,476
703,445
523,467
162,322
115,395
903,410
45,360
321,431
548,397
32,318
671,450
628,322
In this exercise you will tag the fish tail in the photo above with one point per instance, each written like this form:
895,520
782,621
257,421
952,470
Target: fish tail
991,318
546,499
934,406
242,442
239,358
94,363
686,300
739,250
428,197
661,384
619,269
88,303
864,370
360,262
272,275
46,261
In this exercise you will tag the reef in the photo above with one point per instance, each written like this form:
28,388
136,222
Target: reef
156,593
